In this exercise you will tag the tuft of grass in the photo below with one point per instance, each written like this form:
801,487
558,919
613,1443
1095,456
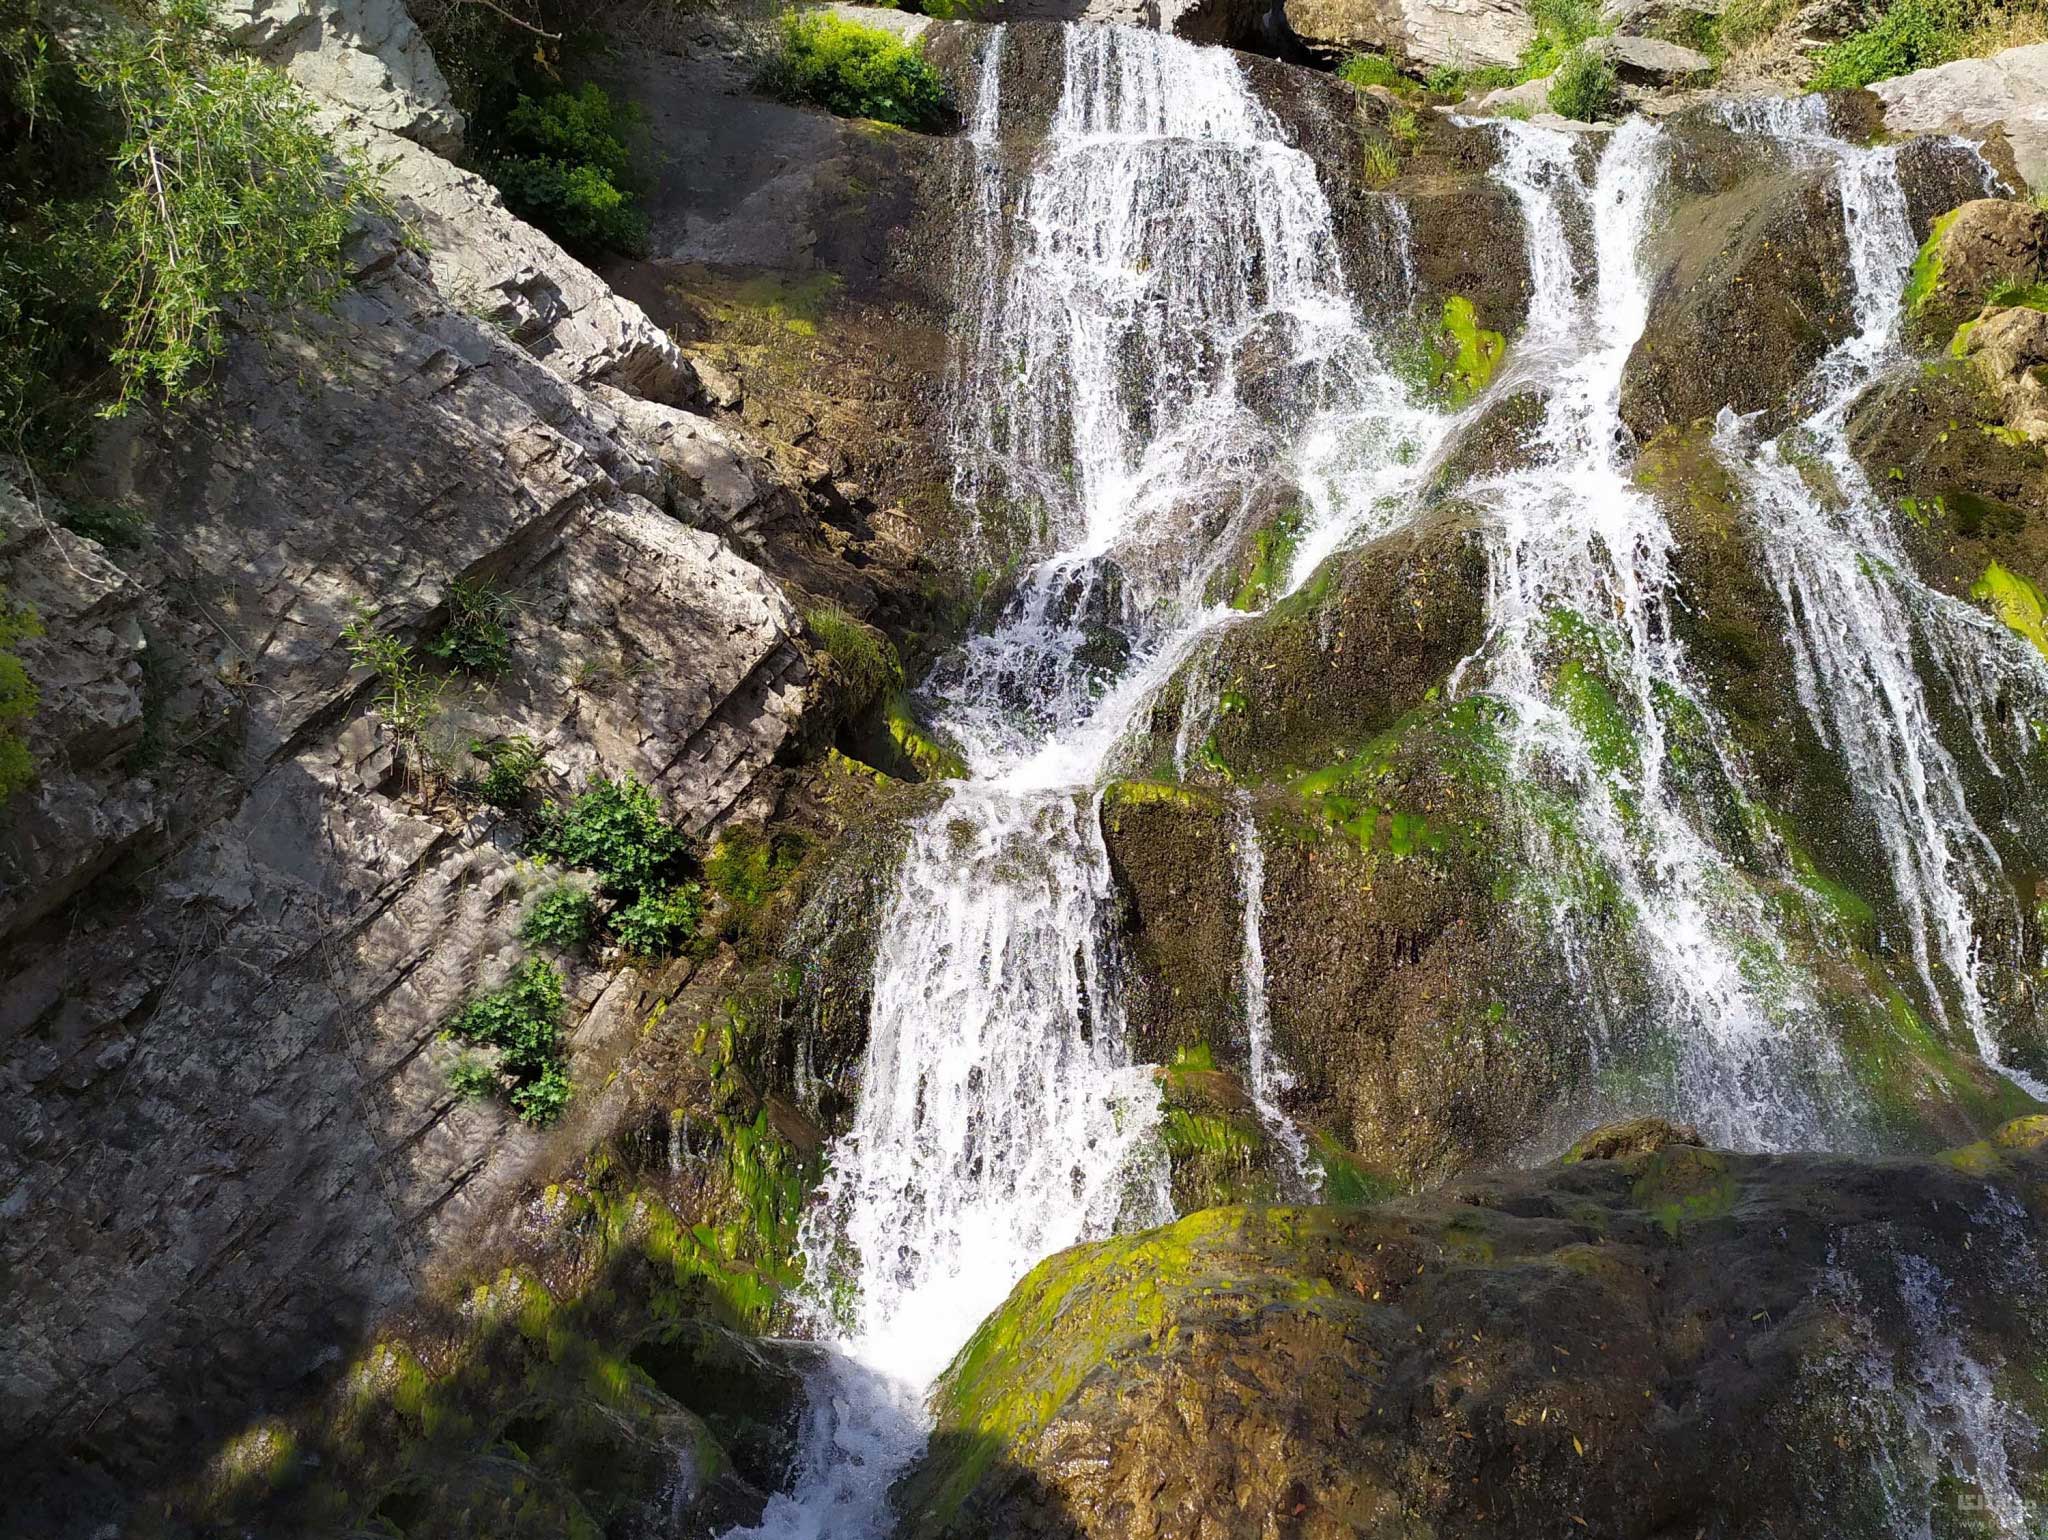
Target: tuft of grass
1585,87
864,662
1382,162
113,526
1374,69
1562,28
475,639
513,764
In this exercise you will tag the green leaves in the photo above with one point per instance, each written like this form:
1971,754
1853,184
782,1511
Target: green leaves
166,177
564,165
856,72
617,830
523,1021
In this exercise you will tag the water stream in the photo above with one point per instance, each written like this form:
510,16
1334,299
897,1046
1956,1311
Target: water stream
1159,326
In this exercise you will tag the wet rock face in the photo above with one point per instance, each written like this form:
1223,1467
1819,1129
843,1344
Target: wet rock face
1588,1348
1754,286
1758,292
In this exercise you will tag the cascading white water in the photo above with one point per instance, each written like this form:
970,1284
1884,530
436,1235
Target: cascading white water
1167,241
1158,324
1856,612
1265,1076
1580,560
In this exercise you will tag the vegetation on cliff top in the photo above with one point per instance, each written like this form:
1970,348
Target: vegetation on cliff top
856,72
152,177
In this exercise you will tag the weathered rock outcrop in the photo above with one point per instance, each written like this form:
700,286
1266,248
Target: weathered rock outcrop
1674,1341
2004,98
1973,251
225,1097
364,56
86,809
1419,33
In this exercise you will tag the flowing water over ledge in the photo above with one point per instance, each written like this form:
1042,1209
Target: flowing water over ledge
1166,231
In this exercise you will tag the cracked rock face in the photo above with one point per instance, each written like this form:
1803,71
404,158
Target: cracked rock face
222,1080
363,55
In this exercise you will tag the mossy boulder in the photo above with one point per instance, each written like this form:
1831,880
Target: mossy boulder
1680,1342
1965,490
1363,639
1974,251
1408,989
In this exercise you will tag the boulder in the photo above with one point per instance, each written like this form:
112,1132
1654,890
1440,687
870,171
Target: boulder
363,56
1530,98
1588,1349
1418,34
1756,291
499,269
2004,96
2010,350
1973,250
1652,62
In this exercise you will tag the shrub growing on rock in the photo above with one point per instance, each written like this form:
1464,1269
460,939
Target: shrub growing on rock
617,830
856,72
1585,87
153,176
564,917
561,162
523,1021
659,921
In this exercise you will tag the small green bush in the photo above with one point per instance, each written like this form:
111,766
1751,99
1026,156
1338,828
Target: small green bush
617,830
18,697
856,72
659,921
115,527
542,1100
523,1021
565,918
513,764
1585,87
1909,35
561,161
472,1079
475,639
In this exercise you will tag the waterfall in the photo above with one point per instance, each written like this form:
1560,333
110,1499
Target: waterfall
1856,613
1580,581
1161,321
1157,324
